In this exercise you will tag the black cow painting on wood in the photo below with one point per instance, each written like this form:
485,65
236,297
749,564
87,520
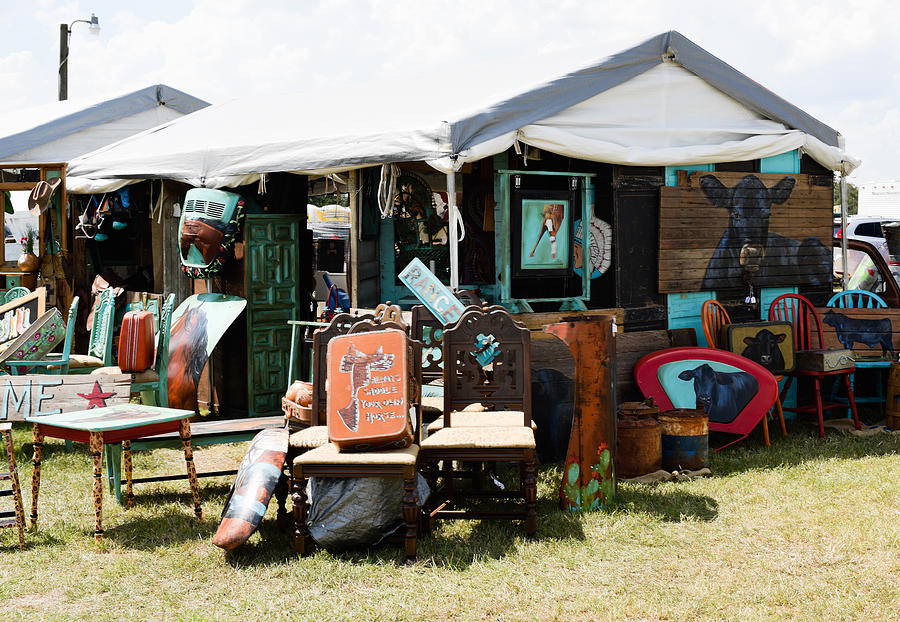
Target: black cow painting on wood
870,333
733,231
771,344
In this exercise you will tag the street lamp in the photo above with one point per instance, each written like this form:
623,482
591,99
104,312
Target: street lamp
65,33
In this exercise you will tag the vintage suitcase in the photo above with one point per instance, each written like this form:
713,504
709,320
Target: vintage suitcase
824,360
37,339
368,392
771,344
137,342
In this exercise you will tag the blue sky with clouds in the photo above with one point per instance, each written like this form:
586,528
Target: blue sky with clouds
839,61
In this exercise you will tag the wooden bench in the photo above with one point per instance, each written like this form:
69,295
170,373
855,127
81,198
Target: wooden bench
214,432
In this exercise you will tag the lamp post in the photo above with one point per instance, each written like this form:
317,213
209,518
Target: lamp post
65,32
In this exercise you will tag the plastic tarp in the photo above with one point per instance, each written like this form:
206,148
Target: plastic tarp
61,131
665,102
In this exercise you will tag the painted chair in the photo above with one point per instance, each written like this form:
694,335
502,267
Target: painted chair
801,314
735,391
152,383
99,352
14,292
55,362
487,361
860,299
714,318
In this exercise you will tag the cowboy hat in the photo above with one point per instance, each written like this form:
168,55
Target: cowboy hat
39,199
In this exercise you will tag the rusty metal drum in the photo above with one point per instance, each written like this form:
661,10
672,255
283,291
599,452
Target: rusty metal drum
639,409
638,446
684,439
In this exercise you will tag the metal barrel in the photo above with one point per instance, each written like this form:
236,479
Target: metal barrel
638,446
685,439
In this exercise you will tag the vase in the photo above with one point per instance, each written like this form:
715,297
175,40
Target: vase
28,262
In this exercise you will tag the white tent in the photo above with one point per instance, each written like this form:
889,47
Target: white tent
665,102
61,131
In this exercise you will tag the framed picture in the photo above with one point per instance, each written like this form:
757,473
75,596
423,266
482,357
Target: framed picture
542,234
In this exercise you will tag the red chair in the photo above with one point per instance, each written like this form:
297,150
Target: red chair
801,314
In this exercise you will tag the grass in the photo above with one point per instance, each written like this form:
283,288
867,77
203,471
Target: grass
808,529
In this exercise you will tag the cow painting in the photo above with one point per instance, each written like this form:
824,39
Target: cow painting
723,394
747,251
868,332
765,349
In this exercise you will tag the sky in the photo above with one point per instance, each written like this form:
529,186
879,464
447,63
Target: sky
838,61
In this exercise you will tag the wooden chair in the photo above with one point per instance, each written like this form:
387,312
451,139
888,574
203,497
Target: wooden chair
430,331
14,292
860,299
714,318
56,362
327,461
503,383
99,352
152,383
801,314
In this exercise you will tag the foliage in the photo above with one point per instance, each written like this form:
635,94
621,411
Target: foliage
852,196
28,240
336,198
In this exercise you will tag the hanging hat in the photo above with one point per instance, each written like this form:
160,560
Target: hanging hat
39,199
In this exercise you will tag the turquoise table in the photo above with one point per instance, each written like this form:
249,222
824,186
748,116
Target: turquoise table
103,426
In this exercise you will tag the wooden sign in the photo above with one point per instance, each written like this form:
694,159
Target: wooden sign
872,334
368,393
771,344
720,231
40,337
39,395
433,294
17,315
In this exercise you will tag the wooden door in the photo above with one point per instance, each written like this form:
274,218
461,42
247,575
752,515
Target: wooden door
273,296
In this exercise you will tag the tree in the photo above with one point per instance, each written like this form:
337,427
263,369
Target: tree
852,196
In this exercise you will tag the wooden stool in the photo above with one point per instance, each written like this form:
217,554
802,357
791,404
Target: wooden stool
12,518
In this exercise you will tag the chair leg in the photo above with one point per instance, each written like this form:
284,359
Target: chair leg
281,493
410,510
529,488
301,531
852,401
765,427
780,411
818,386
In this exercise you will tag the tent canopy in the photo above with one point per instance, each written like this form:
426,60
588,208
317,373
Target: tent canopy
61,131
665,102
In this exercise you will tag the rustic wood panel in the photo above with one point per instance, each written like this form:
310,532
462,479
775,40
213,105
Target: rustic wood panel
872,330
702,231
632,347
42,394
536,321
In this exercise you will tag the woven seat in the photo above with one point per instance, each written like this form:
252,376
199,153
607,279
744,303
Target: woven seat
518,437
308,438
148,375
483,419
80,361
329,454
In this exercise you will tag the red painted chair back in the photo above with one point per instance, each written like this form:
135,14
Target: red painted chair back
713,316
801,314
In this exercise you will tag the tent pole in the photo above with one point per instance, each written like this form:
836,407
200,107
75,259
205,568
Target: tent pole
845,278
354,238
454,231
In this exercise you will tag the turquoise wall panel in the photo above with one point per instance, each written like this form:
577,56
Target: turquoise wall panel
788,162
684,312
672,171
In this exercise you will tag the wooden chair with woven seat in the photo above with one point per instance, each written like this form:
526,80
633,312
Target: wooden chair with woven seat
327,461
487,360
152,383
801,314
54,362
714,318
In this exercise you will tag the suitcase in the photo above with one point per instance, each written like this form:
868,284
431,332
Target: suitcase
137,342
368,394
824,360
771,344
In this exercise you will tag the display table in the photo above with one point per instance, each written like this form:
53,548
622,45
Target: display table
113,424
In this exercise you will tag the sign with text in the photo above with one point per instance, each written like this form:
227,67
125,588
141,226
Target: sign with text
368,391
433,294
39,395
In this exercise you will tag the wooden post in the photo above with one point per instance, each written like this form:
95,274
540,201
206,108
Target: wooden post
355,224
63,62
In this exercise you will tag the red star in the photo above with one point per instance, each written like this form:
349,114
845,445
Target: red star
96,398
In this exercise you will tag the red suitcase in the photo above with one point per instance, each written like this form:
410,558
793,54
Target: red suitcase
137,343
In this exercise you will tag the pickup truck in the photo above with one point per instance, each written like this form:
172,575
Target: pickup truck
872,272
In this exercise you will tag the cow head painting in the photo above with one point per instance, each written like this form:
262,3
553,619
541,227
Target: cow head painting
723,394
747,251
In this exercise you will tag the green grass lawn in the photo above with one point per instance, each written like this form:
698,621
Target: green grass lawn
808,529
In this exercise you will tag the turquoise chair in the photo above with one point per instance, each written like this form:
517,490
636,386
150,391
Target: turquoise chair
100,345
55,362
860,299
14,292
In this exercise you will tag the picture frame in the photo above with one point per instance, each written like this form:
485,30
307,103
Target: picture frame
542,229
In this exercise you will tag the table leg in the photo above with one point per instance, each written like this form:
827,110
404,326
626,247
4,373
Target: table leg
16,490
38,443
129,485
185,434
97,455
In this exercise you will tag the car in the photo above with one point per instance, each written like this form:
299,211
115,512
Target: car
872,272
866,229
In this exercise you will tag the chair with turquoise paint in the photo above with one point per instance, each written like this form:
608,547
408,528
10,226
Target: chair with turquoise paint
100,345
55,362
860,299
152,383
14,292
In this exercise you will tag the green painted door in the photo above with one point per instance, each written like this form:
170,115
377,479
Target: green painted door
272,252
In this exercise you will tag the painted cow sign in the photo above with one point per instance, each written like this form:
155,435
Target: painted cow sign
870,332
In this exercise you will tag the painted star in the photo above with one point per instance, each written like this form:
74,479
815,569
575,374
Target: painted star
96,398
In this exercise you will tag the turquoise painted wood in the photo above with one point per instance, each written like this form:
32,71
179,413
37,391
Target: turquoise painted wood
436,296
684,312
273,293
768,294
672,171
787,162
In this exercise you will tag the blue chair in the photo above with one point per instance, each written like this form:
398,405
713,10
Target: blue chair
860,299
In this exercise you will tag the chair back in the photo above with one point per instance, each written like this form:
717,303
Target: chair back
70,332
713,317
14,292
100,344
798,311
162,350
857,299
340,325
501,379
430,332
